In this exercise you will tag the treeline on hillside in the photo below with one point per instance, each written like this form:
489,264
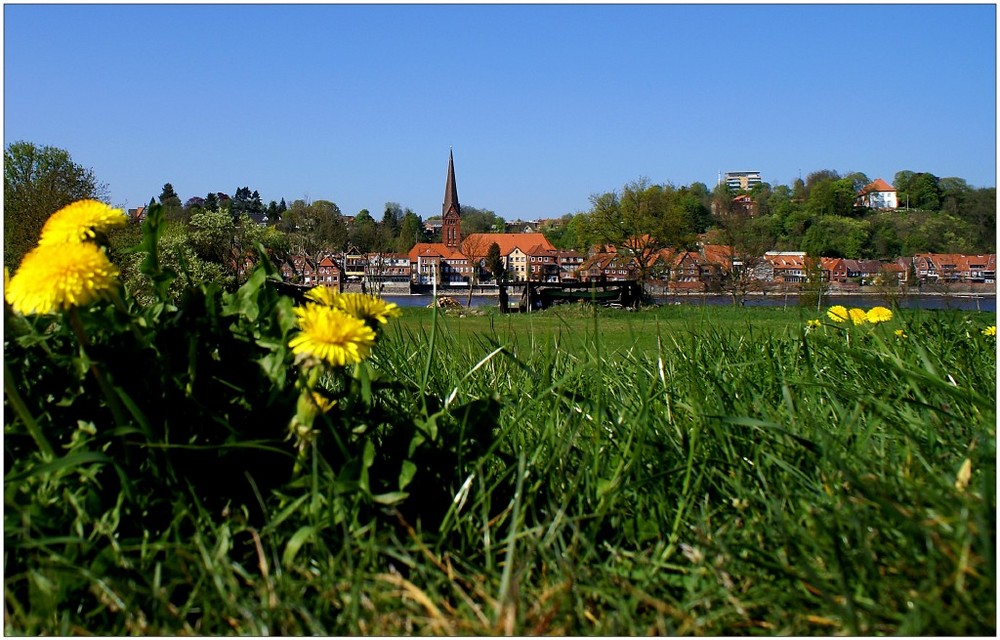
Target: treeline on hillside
818,215
212,236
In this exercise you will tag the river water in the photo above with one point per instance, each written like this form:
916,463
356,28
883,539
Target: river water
965,302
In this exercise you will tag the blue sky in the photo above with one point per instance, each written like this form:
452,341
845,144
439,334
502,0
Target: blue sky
543,105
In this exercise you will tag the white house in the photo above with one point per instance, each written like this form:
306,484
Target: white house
878,195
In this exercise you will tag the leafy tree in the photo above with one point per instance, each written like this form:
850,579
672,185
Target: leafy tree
918,190
246,203
272,212
816,177
695,202
389,227
37,182
194,203
211,235
885,242
411,231
979,211
579,234
392,217
857,180
926,192
494,262
953,194
364,232
168,197
176,254
836,237
799,190
172,207
831,197
640,221
479,221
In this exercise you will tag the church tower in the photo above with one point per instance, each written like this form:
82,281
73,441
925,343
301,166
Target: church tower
451,211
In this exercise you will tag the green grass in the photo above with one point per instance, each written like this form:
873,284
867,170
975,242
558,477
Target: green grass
719,471
578,326
680,470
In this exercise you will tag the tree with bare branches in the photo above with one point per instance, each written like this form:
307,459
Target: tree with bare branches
475,248
745,240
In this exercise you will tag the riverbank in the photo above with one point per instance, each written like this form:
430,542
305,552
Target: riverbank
514,289
966,302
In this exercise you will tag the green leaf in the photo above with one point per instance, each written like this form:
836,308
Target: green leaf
299,538
390,498
406,473
287,511
66,462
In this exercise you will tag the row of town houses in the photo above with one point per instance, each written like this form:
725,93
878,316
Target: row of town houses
530,256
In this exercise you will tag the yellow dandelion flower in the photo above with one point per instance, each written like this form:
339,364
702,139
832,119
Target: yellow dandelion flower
323,295
813,324
323,403
990,331
900,333
330,335
54,277
876,315
858,316
837,313
367,308
80,221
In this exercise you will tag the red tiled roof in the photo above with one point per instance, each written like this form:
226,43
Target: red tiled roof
877,185
509,241
431,249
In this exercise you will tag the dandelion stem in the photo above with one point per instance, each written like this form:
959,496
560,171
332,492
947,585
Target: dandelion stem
114,404
22,411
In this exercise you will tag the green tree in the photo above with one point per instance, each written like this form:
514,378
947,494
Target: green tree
979,210
640,221
926,192
169,197
476,220
364,232
313,229
211,235
389,227
918,190
816,177
172,207
411,231
836,237
273,215
857,180
954,191
885,241
695,202
831,197
37,182
247,203
494,262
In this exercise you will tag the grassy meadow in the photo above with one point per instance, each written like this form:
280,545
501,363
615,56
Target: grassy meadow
580,471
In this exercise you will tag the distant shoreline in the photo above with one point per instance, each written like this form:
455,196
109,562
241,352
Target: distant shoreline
453,292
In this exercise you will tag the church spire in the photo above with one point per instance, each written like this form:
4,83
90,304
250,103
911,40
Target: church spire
451,211
450,189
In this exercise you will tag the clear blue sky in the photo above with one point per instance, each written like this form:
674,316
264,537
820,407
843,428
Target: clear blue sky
543,105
